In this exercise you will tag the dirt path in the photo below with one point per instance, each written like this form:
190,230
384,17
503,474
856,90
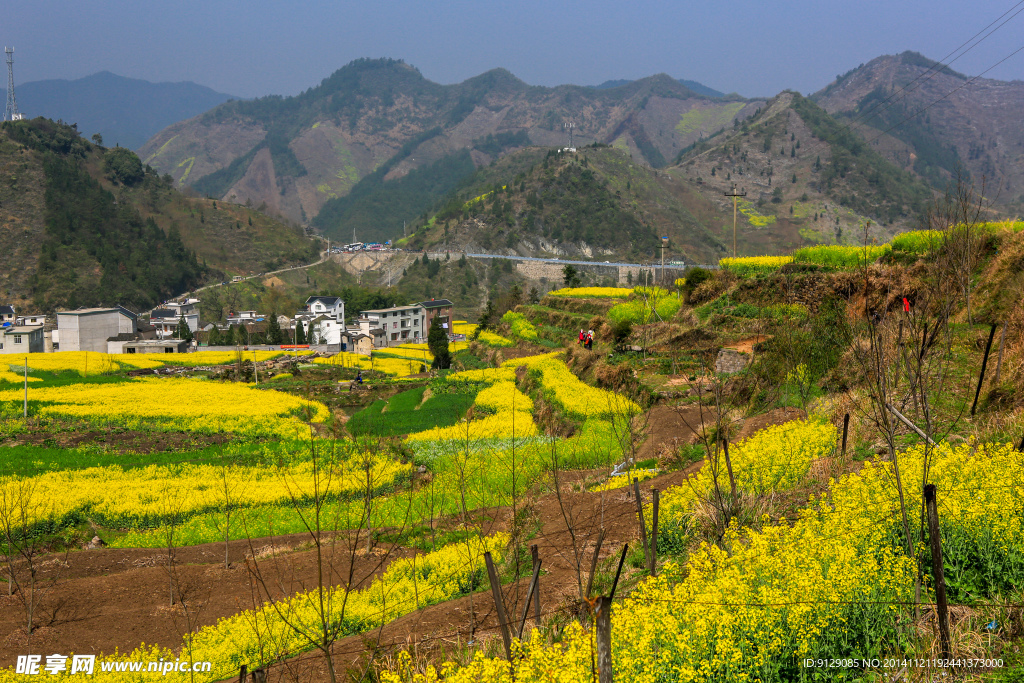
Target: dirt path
111,599
107,599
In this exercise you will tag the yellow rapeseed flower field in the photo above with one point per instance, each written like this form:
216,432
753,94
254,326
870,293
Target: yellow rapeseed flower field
85,363
772,460
158,494
492,339
593,292
512,411
833,584
396,367
750,265
16,377
200,358
190,404
566,389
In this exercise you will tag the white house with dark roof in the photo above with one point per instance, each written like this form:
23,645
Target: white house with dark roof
165,318
6,315
330,306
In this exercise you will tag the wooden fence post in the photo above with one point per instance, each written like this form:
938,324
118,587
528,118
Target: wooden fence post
846,430
622,559
241,674
940,577
499,604
603,624
640,516
593,563
728,464
653,566
984,362
529,598
536,593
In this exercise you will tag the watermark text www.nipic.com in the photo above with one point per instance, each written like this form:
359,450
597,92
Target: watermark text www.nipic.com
55,664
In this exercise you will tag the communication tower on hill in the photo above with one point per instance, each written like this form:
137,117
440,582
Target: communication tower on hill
569,125
11,113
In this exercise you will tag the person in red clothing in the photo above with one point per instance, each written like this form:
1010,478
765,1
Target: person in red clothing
582,338
906,305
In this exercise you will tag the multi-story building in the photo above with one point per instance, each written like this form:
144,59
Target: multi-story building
438,308
87,329
330,306
400,323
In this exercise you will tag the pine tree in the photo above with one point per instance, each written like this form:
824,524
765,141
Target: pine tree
300,333
437,342
183,331
274,333
213,338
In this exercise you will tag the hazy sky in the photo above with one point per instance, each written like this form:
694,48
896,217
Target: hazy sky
259,47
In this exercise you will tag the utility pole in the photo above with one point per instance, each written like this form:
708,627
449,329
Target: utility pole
735,194
664,243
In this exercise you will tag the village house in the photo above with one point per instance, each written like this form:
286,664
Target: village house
88,329
6,315
167,317
438,308
22,339
401,324
330,306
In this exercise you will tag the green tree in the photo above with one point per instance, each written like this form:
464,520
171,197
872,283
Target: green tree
571,276
98,139
695,277
486,316
183,331
274,333
300,333
437,342
213,338
123,165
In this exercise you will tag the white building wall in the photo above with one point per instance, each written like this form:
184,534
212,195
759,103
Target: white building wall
90,331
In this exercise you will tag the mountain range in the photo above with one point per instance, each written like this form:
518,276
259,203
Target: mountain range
125,111
374,121
932,120
376,151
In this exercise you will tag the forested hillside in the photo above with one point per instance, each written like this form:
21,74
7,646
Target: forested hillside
94,226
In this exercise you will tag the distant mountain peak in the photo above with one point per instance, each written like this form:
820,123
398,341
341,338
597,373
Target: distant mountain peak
125,111
695,87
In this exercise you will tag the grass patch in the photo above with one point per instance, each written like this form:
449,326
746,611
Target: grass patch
406,415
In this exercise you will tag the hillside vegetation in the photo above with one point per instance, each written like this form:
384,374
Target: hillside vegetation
893,98
93,226
374,121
